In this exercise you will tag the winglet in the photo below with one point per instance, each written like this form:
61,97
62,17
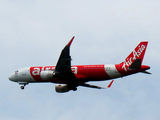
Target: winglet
110,84
70,42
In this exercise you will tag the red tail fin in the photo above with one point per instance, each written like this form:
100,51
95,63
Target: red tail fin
137,53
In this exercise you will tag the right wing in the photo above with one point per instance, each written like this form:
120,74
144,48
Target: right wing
93,86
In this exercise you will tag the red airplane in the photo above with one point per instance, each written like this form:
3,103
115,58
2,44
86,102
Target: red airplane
70,77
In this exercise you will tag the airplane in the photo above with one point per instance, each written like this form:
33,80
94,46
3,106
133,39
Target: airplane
69,77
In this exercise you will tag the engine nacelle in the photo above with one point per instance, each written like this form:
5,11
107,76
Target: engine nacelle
46,75
61,88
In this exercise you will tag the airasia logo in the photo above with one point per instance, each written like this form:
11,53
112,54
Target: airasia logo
36,71
74,70
136,54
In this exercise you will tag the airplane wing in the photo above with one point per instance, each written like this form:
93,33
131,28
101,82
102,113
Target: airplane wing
63,67
63,70
93,86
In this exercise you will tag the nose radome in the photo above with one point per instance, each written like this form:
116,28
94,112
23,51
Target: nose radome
11,77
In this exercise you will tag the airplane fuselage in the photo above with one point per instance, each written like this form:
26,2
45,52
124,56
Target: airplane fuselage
83,73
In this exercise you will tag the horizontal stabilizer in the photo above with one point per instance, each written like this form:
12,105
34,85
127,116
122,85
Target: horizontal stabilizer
146,72
93,86
136,64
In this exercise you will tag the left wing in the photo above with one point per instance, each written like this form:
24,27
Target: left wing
63,67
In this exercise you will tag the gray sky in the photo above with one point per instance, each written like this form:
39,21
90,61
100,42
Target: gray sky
34,32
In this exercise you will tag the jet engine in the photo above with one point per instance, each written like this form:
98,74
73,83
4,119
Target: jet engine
61,88
46,75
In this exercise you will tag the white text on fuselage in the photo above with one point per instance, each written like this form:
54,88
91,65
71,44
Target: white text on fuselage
37,70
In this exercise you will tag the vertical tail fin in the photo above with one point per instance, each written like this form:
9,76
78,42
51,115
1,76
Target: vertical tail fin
137,53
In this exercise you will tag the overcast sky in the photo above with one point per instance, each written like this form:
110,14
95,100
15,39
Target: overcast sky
33,33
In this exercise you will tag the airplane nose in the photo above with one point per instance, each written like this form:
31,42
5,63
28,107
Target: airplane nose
11,77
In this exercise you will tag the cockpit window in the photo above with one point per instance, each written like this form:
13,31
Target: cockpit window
16,72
